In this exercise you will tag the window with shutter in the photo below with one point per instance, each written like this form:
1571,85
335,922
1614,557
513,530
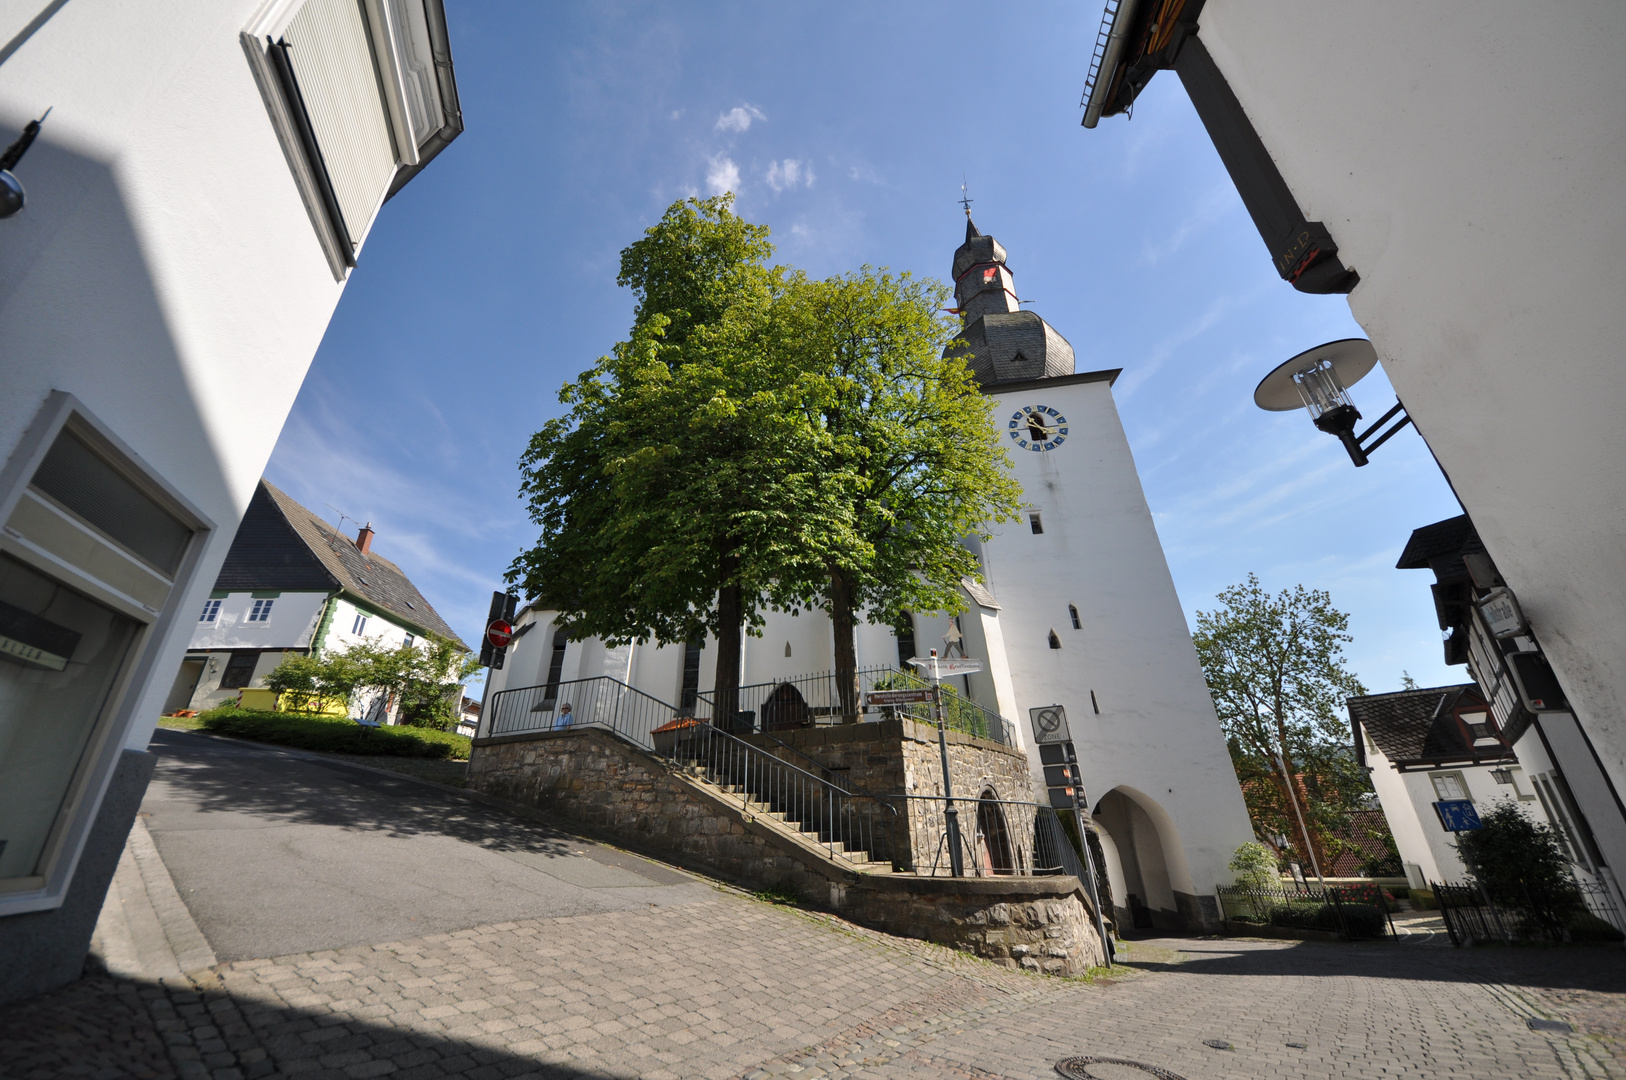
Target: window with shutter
361,95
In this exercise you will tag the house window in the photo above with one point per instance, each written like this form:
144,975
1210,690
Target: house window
690,693
360,105
1449,786
359,626
211,611
1035,523
1055,642
261,611
239,670
1072,613
408,641
906,640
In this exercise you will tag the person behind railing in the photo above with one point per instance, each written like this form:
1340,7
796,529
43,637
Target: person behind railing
562,719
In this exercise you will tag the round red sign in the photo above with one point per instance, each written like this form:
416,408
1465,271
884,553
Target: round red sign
500,633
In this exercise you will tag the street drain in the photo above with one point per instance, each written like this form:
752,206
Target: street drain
1549,1025
1078,1068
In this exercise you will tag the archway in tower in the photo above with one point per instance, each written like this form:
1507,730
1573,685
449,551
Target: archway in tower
994,849
1138,844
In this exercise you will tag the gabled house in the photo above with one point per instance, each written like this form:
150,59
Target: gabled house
1422,747
291,584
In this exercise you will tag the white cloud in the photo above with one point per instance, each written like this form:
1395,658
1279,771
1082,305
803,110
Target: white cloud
789,173
722,175
677,114
739,118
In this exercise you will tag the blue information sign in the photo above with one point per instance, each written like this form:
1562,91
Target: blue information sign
1457,815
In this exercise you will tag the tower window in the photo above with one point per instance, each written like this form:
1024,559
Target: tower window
787,648
1072,611
1019,358
1055,642
1036,523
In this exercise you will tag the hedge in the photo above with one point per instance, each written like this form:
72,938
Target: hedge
336,736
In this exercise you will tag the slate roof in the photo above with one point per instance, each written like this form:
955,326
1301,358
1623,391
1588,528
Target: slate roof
1418,726
1451,538
282,546
1014,346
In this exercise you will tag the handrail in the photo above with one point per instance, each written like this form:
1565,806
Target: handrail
846,783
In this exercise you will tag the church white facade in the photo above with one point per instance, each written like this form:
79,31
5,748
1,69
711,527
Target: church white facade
1077,608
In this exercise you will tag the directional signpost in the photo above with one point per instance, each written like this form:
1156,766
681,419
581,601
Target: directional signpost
877,698
935,668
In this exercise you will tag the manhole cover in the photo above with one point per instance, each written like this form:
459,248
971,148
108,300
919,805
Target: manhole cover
1549,1025
1106,1068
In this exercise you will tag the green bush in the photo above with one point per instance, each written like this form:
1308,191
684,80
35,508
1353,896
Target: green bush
1523,866
333,735
1361,920
1423,900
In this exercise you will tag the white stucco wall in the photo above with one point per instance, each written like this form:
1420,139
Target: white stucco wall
379,630
165,270
1467,158
293,621
1156,733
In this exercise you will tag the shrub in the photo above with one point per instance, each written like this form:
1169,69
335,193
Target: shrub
1360,920
1585,926
333,735
1522,865
1255,867
1423,900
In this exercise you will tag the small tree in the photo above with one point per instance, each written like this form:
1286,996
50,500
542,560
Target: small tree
909,463
1275,669
422,680
1255,867
1521,863
308,683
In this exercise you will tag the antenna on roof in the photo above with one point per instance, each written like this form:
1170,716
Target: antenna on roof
965,199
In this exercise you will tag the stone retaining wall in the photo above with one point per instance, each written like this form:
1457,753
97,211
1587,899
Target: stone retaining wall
590,776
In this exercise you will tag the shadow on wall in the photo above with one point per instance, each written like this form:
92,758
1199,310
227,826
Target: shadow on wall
80,311
1144,896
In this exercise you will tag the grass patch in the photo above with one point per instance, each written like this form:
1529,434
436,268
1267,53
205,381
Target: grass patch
779,894
333,735
181,723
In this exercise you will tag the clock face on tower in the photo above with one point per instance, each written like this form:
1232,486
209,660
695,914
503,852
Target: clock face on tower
1038,428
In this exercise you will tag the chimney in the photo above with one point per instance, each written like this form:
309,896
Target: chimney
364,538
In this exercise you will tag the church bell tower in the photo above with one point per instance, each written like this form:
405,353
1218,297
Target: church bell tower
1000,342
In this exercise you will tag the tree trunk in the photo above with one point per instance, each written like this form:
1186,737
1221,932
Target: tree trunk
842,621
726,687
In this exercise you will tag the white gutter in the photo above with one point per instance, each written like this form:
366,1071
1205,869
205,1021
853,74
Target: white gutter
1121,22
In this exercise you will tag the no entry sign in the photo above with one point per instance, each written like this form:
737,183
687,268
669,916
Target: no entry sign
500,633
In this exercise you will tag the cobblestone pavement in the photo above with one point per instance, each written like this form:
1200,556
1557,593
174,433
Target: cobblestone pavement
731,987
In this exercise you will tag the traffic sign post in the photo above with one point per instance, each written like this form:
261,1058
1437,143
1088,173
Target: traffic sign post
951,816
499,630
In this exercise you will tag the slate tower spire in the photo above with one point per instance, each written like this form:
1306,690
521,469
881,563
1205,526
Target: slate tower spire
1005,343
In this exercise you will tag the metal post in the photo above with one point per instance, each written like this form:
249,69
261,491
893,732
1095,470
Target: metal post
951,816
1090,883
1292,797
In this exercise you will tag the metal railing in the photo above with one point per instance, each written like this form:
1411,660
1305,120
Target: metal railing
848,822
813,698
998,838
1357,912
1472,916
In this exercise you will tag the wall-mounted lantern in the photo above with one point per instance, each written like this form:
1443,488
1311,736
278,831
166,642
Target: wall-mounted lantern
11,189
1318,380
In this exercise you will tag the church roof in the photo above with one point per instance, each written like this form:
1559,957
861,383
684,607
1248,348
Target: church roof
976,249
1017,345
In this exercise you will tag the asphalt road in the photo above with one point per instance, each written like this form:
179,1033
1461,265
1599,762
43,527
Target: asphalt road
278,853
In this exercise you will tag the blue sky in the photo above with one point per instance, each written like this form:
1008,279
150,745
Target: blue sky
846,128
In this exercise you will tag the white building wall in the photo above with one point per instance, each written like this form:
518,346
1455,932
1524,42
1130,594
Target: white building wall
1467,159
1399,809
162,215
293,622
1156,734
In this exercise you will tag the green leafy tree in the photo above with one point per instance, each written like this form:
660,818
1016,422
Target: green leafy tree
908,463
1521,863
673,494
1255,867
315,683
423,681
1275,669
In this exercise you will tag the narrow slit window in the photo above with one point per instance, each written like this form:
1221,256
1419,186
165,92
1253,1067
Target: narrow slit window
556,667
1036,523
359,626
1072,612
906,640
1055,642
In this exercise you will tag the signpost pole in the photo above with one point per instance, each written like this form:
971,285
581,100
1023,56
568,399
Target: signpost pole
950,815
1091,885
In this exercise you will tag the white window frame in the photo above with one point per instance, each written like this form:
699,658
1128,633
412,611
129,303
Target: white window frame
1462,782
211,610
358,626
260,612
82,803
410,155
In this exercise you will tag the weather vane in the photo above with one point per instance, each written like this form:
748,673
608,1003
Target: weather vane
965,200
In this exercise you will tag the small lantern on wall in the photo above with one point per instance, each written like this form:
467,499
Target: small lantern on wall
1318,381
1502,776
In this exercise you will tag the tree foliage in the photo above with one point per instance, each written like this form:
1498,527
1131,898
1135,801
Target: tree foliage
1275,669
908,462
421,682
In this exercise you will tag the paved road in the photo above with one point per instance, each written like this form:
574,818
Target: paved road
705,982
276,853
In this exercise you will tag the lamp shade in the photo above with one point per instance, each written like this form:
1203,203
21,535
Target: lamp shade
1347,361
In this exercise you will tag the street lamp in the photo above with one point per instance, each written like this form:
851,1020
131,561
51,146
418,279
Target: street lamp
1318,381
12,195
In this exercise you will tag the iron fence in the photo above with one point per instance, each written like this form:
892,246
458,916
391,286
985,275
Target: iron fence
814,698
603,701
1352,912
1473,916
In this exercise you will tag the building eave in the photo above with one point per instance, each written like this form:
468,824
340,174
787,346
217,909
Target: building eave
1108,376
